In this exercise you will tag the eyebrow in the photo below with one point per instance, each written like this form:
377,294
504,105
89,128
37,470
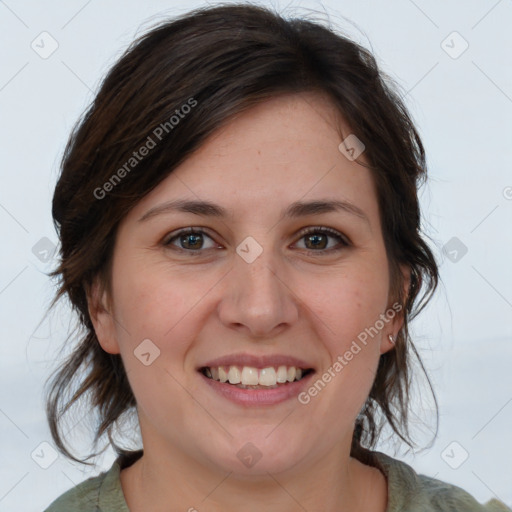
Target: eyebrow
294,210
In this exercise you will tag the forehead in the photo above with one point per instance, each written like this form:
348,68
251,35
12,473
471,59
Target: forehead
276,153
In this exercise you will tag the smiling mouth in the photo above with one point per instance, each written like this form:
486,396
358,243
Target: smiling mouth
248,377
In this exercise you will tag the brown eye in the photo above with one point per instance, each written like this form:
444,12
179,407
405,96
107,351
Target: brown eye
317,240
192,241
189,239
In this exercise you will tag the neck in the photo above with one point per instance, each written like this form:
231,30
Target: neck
331,483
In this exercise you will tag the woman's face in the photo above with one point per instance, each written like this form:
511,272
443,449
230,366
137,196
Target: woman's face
248,290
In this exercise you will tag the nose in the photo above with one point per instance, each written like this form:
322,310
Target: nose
258,298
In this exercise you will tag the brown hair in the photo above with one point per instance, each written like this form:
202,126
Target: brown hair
226,59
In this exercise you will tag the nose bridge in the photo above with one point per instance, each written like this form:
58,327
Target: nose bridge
257,281
256,296
260,276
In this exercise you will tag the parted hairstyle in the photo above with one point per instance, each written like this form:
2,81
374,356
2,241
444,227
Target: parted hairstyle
222,61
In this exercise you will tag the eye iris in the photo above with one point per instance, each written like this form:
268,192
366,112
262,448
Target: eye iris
315,239
196,240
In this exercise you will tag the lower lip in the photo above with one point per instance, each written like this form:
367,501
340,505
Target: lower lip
254,397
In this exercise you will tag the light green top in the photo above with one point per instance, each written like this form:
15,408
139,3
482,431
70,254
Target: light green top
407,491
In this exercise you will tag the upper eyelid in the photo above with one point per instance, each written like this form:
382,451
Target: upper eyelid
326,229
334,233
184,231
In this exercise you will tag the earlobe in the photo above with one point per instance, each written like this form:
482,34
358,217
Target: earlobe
101,317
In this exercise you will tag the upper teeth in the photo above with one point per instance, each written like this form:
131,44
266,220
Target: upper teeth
250,376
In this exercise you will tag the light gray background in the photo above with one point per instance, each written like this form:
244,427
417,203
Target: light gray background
463,108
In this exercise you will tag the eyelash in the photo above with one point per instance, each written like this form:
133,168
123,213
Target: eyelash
307,231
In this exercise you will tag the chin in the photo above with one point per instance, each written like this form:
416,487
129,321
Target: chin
249,454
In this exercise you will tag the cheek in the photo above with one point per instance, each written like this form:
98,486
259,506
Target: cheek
157,302
347,310
151,305
145,302
348,302
350,306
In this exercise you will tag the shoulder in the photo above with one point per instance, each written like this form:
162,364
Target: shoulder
408,490
102,493
83,497
451,498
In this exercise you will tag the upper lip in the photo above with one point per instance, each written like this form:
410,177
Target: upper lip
263,361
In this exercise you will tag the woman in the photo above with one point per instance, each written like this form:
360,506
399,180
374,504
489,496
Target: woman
240,238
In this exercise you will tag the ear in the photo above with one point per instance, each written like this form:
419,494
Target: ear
395,312
102,317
